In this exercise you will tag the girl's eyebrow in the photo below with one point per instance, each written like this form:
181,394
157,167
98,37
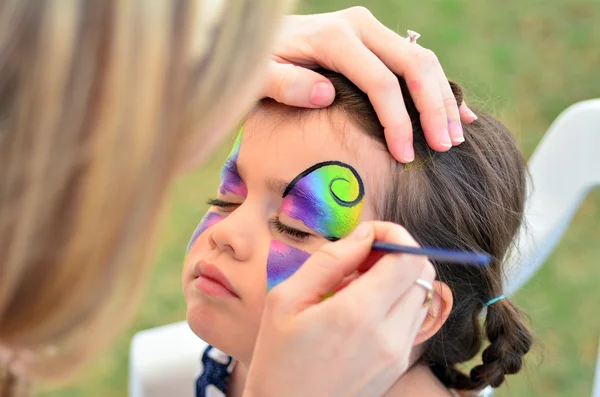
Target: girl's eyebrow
277,185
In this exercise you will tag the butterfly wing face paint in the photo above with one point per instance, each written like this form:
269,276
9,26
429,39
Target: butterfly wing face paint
209,220
328,198
282,262
230,178
230,182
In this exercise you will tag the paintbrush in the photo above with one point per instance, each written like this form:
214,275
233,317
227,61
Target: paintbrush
436,254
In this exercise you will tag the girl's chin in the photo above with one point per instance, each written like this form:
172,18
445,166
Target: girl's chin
211,325
205,321
221,331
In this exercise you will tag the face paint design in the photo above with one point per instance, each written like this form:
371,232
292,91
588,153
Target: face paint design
230,178
327,197
282,262
209,220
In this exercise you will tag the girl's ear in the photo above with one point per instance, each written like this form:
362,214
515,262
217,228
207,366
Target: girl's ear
438,312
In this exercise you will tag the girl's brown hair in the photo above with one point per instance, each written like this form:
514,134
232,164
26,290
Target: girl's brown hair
469,198
100,102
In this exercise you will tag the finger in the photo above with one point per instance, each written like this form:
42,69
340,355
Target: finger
347,281
455,128
408,309
388,279
297,86
418,67
325,270
422,82
466,114
420,71
351,58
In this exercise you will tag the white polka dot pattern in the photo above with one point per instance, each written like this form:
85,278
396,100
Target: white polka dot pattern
218,356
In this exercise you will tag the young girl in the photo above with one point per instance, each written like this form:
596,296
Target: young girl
297,178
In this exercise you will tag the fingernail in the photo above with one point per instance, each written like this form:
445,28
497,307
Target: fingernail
408,153
471,114
445,138
456,131
321,94
361,232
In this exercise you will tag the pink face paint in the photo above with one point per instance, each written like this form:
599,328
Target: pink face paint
282,262
209,220
230,178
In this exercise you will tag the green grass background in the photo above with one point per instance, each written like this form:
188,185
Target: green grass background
523,60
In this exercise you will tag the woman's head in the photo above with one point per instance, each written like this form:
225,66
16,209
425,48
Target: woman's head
101,104
470,198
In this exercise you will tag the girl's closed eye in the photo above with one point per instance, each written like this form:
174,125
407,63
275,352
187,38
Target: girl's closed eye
294,234
226,206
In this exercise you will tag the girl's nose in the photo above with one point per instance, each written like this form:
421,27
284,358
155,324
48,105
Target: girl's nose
234,236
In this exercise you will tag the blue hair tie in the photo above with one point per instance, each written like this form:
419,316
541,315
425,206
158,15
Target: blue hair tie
496,299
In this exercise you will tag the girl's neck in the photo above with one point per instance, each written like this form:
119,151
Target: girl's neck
237,380
418,381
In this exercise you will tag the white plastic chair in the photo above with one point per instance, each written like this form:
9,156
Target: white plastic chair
164,361
564,167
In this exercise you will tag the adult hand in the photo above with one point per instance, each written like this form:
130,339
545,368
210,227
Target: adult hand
356,343
356,44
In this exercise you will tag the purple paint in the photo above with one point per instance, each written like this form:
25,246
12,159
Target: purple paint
282,262
230,177
209,220
231,180
456,130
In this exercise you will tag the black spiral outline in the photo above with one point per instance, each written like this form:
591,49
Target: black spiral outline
349,204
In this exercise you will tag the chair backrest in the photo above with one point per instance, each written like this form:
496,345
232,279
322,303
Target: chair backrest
564,168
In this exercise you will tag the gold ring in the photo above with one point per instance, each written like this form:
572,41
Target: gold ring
427,285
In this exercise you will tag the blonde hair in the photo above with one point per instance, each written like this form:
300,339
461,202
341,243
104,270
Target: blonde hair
99,103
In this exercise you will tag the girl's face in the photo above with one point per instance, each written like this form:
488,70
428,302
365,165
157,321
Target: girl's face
288,186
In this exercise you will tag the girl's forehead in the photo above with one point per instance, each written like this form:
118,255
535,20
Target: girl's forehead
313,135
282,148
291,145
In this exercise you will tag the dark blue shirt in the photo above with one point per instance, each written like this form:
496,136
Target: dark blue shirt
215,371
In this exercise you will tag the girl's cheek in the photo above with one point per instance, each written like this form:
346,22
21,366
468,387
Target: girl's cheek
283,261
210,219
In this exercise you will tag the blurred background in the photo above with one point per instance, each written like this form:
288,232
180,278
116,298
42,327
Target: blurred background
523,61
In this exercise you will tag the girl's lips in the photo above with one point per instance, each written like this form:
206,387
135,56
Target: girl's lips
212,287
212,281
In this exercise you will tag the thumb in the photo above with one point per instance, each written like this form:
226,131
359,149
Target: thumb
297,86
325,270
